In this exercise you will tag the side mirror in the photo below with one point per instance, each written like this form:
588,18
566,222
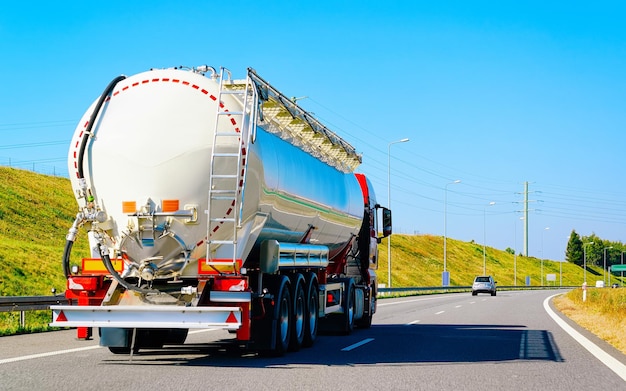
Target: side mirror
386,222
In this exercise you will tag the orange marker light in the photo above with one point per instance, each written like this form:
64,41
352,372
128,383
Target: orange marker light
170,205
129,206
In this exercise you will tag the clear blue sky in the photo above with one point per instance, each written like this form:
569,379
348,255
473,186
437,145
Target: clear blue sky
491,93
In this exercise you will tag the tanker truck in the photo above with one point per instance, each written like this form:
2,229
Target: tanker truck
213,202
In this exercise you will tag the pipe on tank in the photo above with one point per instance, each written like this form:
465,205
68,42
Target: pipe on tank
107,263
83,145
92,120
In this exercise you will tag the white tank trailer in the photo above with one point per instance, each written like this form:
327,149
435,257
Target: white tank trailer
210,202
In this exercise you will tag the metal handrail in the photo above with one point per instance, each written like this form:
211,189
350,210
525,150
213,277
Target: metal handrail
30,303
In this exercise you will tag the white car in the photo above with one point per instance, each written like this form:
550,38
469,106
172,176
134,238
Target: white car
484,284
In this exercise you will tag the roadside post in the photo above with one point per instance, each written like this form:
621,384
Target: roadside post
584,291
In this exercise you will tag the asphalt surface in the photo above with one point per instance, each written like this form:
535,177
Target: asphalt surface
441,342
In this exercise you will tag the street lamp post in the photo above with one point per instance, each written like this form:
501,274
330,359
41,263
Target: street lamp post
445,279
515,253
585,262
404,140
604,271
542,232
485,237
623,265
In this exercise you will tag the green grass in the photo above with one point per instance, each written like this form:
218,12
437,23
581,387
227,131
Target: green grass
37,210
417,260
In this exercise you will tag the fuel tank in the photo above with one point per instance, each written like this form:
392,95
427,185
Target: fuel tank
147,166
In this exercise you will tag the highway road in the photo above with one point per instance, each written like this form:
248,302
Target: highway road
440,342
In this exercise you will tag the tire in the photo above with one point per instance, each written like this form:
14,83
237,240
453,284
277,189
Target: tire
311,320
493,293
298,312
348,307
282,316
474,293
271,331
366,321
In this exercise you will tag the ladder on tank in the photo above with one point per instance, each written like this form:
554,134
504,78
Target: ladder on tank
227,173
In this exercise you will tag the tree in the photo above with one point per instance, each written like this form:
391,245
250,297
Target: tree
574,251
595,250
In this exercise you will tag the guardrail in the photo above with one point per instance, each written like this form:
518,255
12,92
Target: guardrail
22,304
35,303
435,289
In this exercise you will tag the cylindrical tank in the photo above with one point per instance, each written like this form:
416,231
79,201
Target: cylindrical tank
150,151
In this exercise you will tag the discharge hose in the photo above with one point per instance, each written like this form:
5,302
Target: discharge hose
109,265
81,153
92,120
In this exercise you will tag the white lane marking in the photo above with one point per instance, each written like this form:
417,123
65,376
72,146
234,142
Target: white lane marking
58,352
439,313
356,345
414,322
472,302
604,357
47,354
458,306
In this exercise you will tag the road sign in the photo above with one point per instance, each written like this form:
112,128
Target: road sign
618,268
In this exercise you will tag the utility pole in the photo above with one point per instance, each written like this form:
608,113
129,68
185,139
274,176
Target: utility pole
526,218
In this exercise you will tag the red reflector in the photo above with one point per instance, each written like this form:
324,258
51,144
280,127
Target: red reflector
61,317
231,318
230,284
84,283
330,298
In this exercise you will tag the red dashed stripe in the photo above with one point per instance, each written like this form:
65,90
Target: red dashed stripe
186,83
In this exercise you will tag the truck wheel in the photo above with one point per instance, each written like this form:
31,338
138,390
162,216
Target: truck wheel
282,316
348,307
311,316
366,321
298,314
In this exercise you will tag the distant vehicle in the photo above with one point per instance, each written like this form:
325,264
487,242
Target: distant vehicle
599,284
615,285
484,284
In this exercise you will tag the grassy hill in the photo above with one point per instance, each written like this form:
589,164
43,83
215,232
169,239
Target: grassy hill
417,260
37,210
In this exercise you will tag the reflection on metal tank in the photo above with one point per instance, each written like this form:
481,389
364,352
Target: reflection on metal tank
147,166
